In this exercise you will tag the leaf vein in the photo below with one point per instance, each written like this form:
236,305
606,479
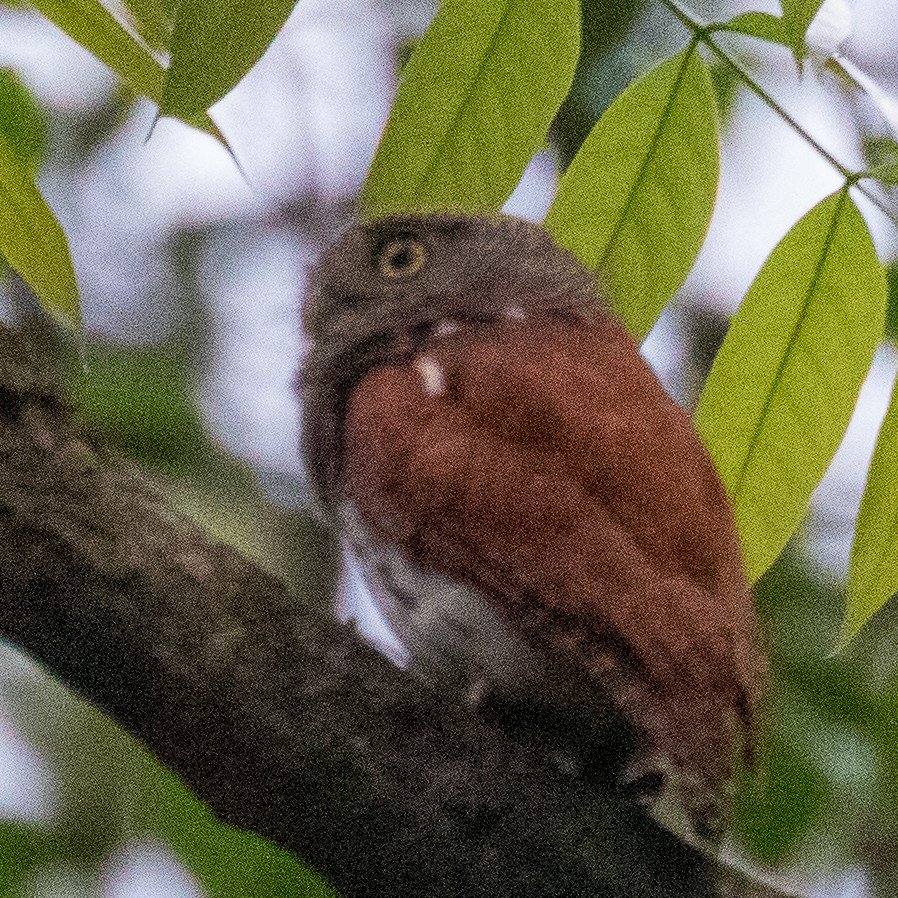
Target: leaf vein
650,155
469,94
790,347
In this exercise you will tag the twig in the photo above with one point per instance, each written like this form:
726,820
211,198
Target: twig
703,33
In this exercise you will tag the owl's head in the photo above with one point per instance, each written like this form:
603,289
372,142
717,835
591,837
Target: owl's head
385,287
390,286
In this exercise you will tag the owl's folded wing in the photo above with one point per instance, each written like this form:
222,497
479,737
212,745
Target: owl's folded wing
542,462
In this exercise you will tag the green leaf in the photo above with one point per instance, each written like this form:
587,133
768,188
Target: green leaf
88,23
153,22
886,173
789,30
778,806
92,26
24,850
227,861
892,305
873,571
22,126
477,98
637,200
784,384
140,399
22,123
214,45
32,241
761,25
797,17
881,158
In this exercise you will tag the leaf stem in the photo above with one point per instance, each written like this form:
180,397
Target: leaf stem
703,32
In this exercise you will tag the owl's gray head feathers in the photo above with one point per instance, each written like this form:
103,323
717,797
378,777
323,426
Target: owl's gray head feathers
387,286
379,289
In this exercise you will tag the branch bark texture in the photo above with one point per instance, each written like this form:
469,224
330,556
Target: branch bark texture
282,720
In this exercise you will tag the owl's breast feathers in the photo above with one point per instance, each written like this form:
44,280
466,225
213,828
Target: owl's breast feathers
542,462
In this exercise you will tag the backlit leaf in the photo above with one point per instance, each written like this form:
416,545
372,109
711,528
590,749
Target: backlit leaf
637,200
762,25
887,173
789,29
89,23
477,97
22,123
214,45
798,15
152,21
784,384
873,572
881,157
32,241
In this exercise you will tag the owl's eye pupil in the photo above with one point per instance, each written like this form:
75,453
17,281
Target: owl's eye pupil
400,257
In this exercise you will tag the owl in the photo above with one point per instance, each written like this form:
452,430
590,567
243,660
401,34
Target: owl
533,514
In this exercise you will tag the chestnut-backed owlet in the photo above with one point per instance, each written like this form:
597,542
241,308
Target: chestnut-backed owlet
528,505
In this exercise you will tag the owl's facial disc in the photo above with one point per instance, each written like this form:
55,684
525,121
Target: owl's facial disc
391,286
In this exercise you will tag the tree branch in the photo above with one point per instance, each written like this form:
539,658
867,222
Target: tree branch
280,719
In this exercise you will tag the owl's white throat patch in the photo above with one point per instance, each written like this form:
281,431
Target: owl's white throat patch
446,328
433,377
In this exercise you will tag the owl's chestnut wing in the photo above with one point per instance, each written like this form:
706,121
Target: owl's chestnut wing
542,462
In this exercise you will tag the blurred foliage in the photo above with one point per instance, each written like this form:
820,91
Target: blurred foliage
880,151
829,758
86,136
727,85
22,123
24,849
788,794
140,398
22,127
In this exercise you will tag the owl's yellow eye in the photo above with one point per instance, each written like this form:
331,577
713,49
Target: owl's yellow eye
401,257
